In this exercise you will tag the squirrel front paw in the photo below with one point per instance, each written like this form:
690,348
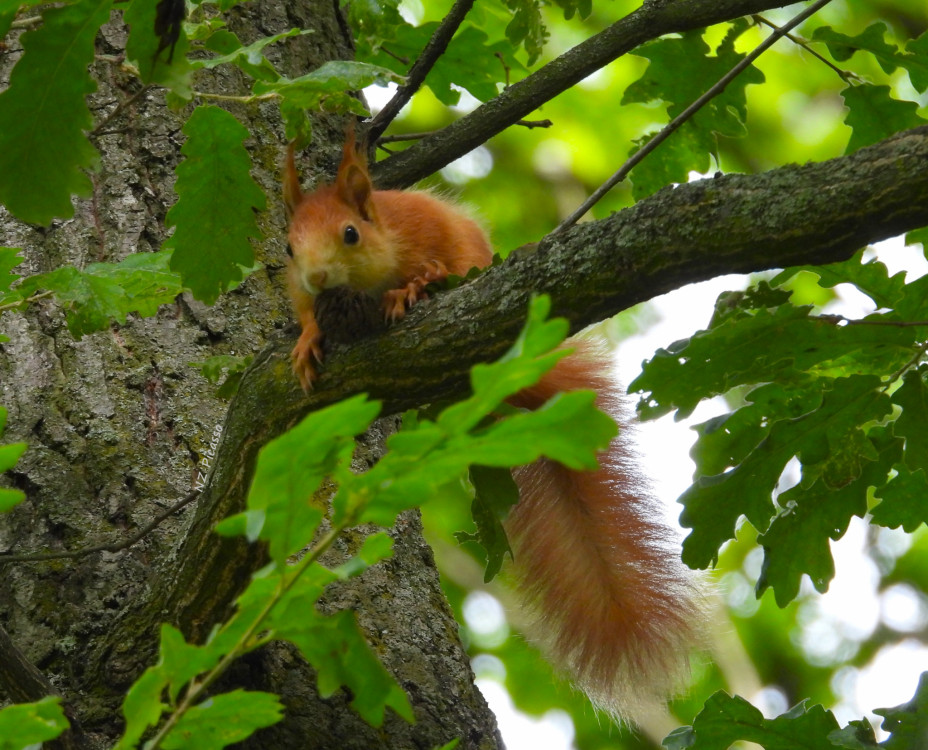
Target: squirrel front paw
308,348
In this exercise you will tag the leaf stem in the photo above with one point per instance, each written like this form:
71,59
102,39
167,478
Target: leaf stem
907,366
196,689
25,301
845,75
685,115
104,546
397,137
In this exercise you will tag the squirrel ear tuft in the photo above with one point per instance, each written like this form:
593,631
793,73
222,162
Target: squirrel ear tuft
353,183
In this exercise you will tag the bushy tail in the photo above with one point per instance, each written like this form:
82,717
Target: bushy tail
610,600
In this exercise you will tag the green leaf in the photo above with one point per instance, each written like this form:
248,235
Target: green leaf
688,148
329,85
214,214
213,369
142,49
27,725
871,278
106,292
796,542
248,58
469,62
527,27
761,347
726,719
224,719
725,441
44,113
874,115
857,735
908,723
713,504
142,707
9,258
495,492
916,62
291,468
567,429
9,455
340,655
872,40
180,661
903,501
912,398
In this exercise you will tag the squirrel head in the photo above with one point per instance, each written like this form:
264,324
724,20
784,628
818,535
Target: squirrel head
335,236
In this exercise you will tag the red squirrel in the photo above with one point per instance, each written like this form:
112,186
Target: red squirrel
610,601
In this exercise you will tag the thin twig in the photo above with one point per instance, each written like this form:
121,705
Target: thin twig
686,114
196,689
27,300
26,23
106,546
907,366
845,75
399,137
420,68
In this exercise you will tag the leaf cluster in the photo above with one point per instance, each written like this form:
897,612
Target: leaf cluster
727,719
845,399
422,461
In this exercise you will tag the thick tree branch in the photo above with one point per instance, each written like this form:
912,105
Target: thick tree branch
652,20
813,214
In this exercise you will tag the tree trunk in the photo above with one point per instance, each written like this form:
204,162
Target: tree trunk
116,424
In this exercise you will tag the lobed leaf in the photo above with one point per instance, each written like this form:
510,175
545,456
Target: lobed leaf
44,113
527,27
908,723
222,720
214,213
874,115
872,278
912,398
329,86
872,40
107,292
688,148
712,505
796,542
903,501
762,347
291,468
28,725
495,492
248,58
419,462
725,719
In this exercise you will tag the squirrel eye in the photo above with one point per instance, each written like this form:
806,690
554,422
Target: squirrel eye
352,236
289,250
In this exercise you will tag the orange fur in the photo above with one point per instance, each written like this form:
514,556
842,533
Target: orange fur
612,603
405,239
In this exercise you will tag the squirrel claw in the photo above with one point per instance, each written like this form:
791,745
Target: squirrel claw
306,350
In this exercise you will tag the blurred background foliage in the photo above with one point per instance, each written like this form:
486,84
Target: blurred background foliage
522,183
